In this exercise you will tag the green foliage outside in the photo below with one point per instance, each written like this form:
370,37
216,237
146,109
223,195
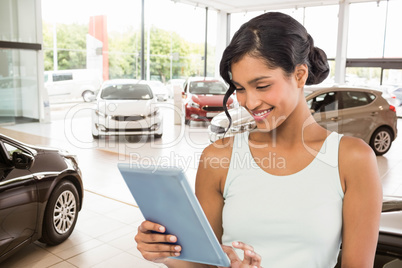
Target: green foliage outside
170,55
71,46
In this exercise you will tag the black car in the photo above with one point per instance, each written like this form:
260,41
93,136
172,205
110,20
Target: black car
389,246
41,194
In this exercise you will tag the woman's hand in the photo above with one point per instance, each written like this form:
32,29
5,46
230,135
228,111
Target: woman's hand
251,259
153,244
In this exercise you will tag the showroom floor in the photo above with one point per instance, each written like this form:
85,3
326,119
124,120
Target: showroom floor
107,224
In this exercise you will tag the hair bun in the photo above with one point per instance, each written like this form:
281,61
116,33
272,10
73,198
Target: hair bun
319,68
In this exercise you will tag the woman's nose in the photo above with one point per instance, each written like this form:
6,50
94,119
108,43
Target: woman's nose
252,100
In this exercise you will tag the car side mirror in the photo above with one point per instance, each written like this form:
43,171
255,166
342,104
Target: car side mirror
22,160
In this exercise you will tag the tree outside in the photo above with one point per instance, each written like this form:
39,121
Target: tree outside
170,55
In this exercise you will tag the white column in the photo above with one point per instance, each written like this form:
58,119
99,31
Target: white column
43,98
221,37
341,48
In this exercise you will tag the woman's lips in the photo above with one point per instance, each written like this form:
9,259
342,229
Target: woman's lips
261,114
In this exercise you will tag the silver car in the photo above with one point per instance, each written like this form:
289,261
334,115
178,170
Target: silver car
357,112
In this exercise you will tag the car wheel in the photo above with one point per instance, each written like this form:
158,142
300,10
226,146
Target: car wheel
95,136
381,141
158,136
87,94
186,122
61,214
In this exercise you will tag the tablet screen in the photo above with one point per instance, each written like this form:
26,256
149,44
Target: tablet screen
164,196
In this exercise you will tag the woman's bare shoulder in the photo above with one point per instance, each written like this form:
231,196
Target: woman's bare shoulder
357,162
215,159
352,148
220,148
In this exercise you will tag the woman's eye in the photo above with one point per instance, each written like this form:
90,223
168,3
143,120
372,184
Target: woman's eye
239,89
262,87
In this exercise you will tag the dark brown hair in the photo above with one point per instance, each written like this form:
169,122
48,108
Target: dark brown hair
281,41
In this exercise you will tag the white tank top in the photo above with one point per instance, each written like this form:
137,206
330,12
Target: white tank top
291,221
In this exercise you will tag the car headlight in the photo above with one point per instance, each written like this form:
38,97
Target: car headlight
194,105
98,113
154,112
217,129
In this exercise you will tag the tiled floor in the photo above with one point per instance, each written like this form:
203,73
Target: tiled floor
107,224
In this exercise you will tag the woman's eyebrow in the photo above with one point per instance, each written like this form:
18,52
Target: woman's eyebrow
255,80
252,81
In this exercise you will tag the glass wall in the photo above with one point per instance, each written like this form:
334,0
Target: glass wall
18,21
366,30
19,86
374,34
173,39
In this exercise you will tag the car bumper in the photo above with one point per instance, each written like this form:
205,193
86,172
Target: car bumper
110,127
154,129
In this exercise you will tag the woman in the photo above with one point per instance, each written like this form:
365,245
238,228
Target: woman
289,193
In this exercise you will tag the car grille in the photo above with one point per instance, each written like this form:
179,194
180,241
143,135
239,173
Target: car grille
128,118
213,108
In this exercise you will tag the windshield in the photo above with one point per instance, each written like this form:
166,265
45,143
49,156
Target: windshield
207,87
127,92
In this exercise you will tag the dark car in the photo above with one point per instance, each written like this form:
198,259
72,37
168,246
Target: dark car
204,98
41,194
389,246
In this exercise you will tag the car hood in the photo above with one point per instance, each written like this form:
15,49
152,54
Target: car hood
391,216
210,100
125,107
239,117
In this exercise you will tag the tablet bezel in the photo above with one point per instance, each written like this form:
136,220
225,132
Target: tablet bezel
164,196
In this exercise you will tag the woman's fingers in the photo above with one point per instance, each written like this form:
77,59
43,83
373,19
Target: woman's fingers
250,257
231,254
147,226
154,244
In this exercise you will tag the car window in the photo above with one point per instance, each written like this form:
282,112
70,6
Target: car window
127,92
10,149
324,102
352,99
62,77
202,87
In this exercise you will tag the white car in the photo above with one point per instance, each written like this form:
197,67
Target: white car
126,107
159,89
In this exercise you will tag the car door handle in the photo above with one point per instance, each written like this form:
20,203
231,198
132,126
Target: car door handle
374,113
336,118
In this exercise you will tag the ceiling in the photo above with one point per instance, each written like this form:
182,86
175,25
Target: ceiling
235,6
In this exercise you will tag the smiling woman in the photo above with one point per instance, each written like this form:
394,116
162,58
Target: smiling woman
286,204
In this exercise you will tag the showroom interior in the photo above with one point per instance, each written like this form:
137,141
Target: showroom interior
363,48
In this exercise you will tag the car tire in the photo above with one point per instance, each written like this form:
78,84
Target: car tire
186,121
87,94
381,140
158,136
61,214
95,136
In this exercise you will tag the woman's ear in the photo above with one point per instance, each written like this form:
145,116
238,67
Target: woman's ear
301,73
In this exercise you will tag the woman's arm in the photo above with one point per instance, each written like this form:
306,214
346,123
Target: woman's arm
210,180
155,246
362,202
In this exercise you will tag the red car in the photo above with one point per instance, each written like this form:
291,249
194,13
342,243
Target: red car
204,98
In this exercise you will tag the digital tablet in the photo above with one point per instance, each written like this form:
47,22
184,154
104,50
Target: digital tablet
164,196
